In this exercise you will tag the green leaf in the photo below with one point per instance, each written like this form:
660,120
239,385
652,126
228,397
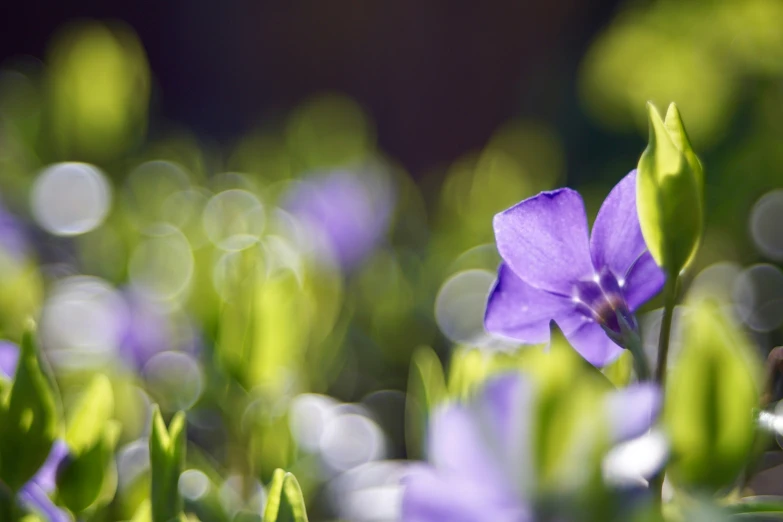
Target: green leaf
427,381
426,388
82,480
264,326
710,401
566,436
93,411
143,512
167,459
28,417
284,500
669,193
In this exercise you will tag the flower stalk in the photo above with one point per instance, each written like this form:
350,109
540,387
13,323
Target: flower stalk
670,300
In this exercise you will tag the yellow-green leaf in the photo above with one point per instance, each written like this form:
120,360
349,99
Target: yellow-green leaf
88,421
167,459
710,400
285,502
28,417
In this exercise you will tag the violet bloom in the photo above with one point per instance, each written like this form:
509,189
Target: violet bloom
34,495
13,239
481,460
348,212
146,330
552,270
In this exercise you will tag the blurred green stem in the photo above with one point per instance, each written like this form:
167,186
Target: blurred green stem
9,509
670,300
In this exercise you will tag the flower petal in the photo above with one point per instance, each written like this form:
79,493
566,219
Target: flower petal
457,444
34,498
503,408
9,356
644,280
633,410
431,496
593,344
616,241
46,477
544,240
519,311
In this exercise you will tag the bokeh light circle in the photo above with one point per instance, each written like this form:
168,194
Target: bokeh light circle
308,416
765,220
349,440
460,306
175,379
193,484
82,321
133,459
70,198
234,219
149,187
233,271
162,265
758,297
371,492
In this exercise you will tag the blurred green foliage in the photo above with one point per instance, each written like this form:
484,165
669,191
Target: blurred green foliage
201,231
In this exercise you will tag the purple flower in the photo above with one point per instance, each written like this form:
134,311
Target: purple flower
481,458
552,270
145,332
35,493
13,239
348,212
148,330
9,357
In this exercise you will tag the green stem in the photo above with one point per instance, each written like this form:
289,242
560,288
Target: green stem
670,300
640,365
9,509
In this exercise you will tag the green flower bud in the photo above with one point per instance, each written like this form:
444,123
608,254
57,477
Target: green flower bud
669,193
710,401
29,418
285,502
167,458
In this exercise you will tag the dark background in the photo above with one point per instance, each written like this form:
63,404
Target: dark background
437,76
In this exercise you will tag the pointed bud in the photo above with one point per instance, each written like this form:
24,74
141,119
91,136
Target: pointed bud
167,458
669,193
28,416
285,500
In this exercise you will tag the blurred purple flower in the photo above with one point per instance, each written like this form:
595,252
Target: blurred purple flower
481,461
552,270
13,240
35,493
148,330
348,212
9,357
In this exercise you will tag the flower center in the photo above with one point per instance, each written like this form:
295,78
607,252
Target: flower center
602,299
